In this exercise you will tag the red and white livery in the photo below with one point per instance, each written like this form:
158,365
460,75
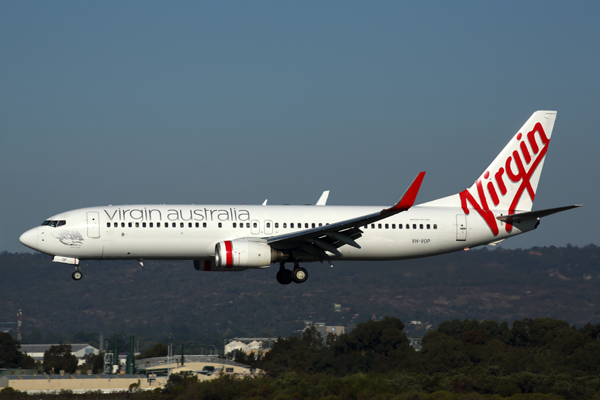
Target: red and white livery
235,238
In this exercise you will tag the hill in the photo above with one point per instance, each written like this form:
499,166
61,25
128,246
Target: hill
171,298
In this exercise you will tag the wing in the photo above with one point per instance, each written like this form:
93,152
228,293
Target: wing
317,241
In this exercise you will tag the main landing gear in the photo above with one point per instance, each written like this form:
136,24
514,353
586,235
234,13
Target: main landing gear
77,275
286,276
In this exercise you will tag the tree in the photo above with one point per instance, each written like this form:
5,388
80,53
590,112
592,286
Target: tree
10,355
95,362
384,337
159,350
59,358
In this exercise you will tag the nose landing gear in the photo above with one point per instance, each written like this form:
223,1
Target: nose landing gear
77,275
286,276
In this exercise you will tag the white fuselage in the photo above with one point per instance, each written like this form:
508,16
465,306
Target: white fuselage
188,232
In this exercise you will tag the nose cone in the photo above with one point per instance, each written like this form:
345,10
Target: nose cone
30,238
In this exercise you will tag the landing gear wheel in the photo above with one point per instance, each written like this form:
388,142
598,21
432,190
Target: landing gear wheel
284,276
299,275
77,275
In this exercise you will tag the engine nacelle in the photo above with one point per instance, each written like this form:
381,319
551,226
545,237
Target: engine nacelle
245,254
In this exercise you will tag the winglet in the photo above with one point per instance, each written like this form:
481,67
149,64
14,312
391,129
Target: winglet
410,195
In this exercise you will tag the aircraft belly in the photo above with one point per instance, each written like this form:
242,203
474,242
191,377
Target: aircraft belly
163,248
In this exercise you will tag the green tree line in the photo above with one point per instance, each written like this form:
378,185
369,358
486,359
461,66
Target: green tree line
538,359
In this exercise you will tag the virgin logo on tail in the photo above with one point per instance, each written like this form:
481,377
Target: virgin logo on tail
503,186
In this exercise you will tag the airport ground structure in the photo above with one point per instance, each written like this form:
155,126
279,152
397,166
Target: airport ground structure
154,373
79,350
79,383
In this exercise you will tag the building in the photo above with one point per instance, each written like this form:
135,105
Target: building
325,330
80,350
152,373
205,367
79,383
249,345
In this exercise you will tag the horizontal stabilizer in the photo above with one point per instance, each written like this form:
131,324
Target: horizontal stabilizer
535,214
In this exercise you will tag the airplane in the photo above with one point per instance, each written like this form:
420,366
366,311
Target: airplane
239,237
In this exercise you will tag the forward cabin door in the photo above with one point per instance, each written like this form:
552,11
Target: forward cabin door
461,227
93,225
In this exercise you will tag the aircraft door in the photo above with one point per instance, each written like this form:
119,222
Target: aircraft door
255,226
461,227
93,225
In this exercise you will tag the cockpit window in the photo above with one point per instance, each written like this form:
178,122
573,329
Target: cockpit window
54,223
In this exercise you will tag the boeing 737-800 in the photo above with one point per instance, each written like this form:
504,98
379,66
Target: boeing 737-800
235,238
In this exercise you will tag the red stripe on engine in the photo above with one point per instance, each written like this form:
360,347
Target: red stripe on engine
207,265
228,253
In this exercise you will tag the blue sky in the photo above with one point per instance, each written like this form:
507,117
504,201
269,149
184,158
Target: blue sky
235,102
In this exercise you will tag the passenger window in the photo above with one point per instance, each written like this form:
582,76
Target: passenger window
254,225
428,226
285,225
189,225
234,225
434,226
197,225
393,226
108,224
151,224
129,224
414,226
122,224
421,226
116,225
181,225
174,225
379,226
399,226
313,225
220,225
387,226
407,226
291,224
204,224
268,224
247,224
306,224
143,224
372,226
320,224
137,224
158,224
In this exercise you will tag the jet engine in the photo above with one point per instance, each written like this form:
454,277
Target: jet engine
245,254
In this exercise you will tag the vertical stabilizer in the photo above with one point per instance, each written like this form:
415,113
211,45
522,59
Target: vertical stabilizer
510,182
